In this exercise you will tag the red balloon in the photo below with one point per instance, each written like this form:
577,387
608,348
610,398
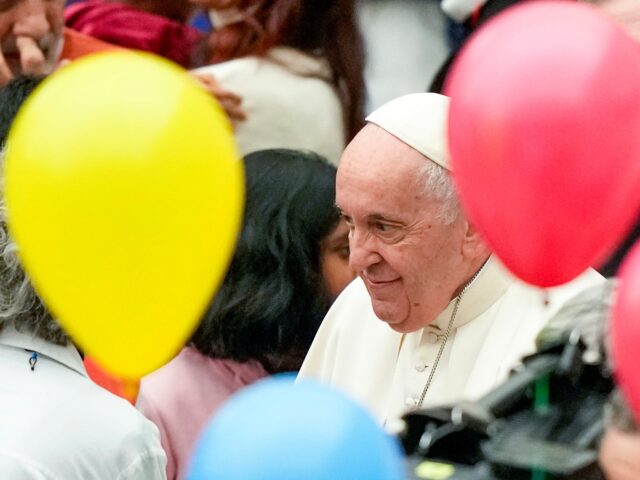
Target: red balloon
544,132
625,330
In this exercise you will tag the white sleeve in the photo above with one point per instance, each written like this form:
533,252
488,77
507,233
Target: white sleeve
20,469
150,465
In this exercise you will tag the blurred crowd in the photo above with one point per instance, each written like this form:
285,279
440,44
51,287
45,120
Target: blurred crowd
356,264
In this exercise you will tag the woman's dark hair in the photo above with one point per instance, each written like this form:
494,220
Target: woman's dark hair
322,28
176,10
273,298
462,32
612,264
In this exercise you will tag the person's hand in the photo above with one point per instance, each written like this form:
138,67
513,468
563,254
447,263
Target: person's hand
229,101
5,72
26,58
620,455
32,58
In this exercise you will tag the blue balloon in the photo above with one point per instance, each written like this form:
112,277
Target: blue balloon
278,430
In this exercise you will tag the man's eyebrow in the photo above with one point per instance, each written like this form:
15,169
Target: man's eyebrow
377,217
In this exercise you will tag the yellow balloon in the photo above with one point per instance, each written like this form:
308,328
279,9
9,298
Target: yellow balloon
124,193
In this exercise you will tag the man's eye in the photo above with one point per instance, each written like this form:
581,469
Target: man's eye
382,227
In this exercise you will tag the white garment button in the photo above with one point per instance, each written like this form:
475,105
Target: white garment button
410,402
433,337
421,366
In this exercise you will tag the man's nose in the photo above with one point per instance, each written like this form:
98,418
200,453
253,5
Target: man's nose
31,20
362,251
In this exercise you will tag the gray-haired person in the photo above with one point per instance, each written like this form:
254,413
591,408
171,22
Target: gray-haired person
434,317
55,423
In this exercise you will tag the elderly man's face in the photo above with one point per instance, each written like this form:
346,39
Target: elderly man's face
411,263
31,33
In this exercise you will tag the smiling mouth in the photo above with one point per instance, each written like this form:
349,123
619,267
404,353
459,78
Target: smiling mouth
380,284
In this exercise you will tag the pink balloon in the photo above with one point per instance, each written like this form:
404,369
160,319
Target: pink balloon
544,131
625,330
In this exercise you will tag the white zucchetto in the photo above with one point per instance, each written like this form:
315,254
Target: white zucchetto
420,121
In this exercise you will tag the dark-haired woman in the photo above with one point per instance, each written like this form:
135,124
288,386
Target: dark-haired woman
298,66
291,261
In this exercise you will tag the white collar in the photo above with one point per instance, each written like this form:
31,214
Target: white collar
484,290
66,355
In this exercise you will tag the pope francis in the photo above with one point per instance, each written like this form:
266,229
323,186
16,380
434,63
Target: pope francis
433,317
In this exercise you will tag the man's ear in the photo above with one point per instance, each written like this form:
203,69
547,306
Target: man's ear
473,244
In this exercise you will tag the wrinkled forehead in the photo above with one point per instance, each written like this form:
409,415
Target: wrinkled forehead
378,171
374,154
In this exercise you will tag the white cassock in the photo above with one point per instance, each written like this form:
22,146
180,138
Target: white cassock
496,324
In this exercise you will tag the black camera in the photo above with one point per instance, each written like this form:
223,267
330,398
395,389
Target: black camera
545,422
